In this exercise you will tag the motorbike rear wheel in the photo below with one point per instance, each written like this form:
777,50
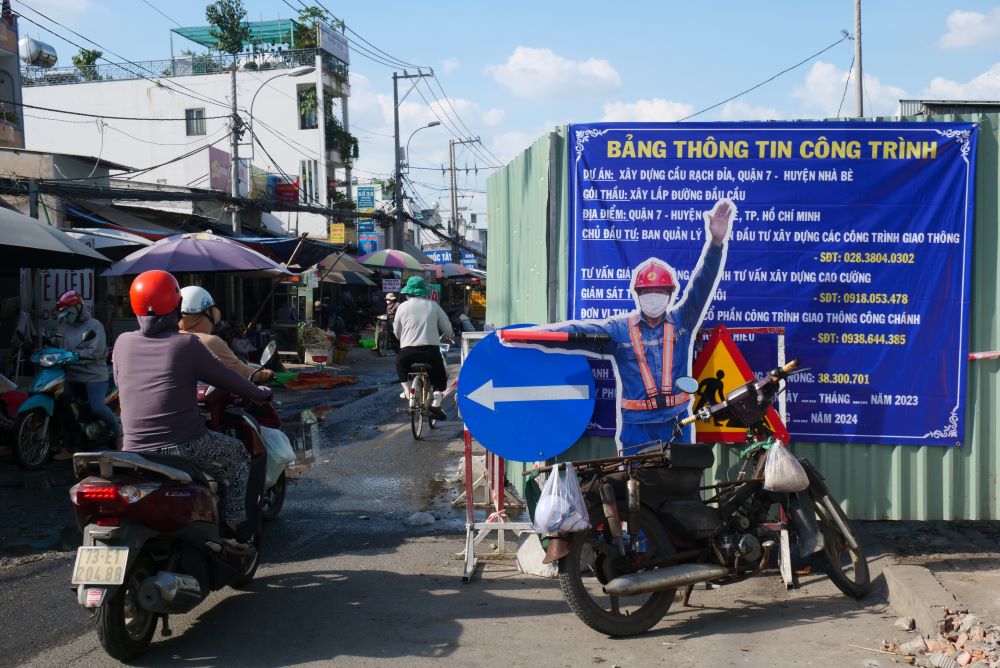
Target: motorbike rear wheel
274,498
584,571
847,566
124,628
33,436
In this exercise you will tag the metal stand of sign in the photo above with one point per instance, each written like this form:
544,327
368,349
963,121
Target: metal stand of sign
497,496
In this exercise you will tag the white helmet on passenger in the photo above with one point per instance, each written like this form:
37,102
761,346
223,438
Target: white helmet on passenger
195,299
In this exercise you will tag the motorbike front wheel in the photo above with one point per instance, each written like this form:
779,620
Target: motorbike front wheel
124,628
846,564
33,434
590,565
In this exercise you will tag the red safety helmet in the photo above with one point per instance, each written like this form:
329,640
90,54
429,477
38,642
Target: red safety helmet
654,274
154,292
69,298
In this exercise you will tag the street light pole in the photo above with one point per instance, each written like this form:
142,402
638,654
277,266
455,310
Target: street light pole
296,72
394,235
432,124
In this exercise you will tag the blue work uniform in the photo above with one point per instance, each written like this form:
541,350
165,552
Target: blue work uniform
649,403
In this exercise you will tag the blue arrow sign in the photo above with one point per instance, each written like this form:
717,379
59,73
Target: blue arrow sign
524,404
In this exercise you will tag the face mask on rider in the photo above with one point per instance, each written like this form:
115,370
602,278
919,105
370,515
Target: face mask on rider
654,304
71,316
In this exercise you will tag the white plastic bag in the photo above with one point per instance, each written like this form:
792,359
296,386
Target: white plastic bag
279,453
561,507
782,471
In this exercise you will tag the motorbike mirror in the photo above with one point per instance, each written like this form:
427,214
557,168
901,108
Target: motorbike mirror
686,384
268,353
89,334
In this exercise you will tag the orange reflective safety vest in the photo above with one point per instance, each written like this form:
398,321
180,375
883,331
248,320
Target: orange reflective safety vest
657,396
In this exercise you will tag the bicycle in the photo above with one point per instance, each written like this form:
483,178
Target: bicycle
383,336
421,395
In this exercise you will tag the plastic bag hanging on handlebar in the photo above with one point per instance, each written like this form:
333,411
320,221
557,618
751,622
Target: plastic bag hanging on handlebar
561,507
782,471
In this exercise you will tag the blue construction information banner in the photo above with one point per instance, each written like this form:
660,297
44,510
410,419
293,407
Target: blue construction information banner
853,240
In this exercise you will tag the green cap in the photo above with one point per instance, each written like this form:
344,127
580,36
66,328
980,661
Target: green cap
416,286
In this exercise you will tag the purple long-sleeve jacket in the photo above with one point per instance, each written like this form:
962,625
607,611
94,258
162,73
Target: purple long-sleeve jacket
157,370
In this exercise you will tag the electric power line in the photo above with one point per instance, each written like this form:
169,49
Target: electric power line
845,36
161,13
103,116
191,93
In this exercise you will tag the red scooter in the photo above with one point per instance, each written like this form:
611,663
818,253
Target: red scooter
151,532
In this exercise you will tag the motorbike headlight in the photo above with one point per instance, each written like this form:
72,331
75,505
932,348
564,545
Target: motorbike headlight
48,359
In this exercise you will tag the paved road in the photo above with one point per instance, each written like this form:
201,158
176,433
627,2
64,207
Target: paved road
346,582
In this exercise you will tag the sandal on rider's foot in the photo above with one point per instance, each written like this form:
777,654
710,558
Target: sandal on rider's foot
234,545
437,413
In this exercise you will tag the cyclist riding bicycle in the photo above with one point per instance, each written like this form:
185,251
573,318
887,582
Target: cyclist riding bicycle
419,325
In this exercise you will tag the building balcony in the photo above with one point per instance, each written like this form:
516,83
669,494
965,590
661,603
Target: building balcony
182,66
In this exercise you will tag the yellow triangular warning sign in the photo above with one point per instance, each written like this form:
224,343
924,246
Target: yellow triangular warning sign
719,369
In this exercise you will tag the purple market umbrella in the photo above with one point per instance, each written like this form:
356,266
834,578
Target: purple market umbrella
391,259
198,254
448,270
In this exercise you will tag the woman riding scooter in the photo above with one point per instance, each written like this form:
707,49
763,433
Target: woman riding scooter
200,316
157,370
87,379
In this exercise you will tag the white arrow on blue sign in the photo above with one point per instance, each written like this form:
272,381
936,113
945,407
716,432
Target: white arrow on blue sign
525,404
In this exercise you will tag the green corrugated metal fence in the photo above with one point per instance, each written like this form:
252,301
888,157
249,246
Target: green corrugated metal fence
527,257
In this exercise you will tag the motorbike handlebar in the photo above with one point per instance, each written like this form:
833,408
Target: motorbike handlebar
688,420
562,337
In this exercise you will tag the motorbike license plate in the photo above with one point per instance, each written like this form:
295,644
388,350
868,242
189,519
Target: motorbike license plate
100,565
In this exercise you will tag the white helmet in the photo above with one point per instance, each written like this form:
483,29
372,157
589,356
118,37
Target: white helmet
195,299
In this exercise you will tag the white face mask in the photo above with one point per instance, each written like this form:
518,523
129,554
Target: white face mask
654,304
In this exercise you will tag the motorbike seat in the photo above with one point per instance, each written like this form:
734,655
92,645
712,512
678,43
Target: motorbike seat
177,462
420,366
690,456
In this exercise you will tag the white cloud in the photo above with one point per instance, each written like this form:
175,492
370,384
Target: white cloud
967,29
656,109
985,86
493,116
823,90
534,73
449,65
737,110
508,144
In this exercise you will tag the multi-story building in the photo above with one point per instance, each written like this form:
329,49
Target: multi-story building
11,122
172,118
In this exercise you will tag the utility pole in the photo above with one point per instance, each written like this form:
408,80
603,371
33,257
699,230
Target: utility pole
858,82
456,254
234,161
394,235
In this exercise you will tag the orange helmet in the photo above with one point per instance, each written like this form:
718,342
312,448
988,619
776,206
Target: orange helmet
654,274
154,292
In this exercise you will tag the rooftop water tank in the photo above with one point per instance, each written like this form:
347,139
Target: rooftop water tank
35,53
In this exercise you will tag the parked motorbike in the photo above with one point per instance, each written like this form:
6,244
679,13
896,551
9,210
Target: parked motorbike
51,416
152,542
652,532
279,449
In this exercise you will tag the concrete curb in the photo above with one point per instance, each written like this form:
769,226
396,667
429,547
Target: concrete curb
915,592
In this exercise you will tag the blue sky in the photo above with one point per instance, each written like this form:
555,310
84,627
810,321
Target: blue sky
514,69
